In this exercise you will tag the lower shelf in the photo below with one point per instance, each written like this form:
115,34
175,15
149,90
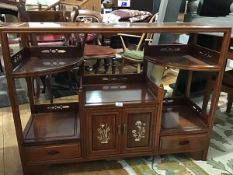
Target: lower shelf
182,116
53,126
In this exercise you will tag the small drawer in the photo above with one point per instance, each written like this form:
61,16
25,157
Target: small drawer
186,143
52,152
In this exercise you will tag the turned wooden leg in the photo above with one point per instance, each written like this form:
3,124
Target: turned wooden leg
106,65
113,65
96,66
229,103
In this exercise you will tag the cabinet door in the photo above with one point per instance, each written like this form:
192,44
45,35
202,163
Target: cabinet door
138,125
104,132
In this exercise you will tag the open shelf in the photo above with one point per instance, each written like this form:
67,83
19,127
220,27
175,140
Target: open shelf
182,116
187,57
108,94
38,61
52,126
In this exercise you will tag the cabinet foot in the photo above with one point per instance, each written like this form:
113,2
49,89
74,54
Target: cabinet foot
200,155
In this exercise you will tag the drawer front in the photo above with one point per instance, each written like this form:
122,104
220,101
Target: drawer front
179,144
53,152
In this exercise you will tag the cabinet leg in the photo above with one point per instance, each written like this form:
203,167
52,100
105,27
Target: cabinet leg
35,169
199,155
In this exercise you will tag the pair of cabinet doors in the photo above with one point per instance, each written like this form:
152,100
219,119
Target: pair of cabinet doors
120,131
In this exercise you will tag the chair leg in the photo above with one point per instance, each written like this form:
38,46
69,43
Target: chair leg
106,65
121,65
229,103
138,68
96,66
113,60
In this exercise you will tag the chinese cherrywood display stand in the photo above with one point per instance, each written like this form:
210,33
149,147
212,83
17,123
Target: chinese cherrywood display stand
115,116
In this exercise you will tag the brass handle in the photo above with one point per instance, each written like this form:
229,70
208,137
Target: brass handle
119,129
53,152
184,142
124,128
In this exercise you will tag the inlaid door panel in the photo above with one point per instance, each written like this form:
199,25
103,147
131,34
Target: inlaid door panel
137,129
104,133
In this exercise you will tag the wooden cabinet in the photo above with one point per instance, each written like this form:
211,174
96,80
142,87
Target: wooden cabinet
120,131
117,115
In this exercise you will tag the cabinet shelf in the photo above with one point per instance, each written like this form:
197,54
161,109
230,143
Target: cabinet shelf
110,94
182,116
36,61
52,126
187,57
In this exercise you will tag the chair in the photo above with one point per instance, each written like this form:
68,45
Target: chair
135,55
94,50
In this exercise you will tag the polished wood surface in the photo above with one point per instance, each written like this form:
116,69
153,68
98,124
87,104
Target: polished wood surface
182,116
138,129
43,60
132,126
44,127
42,27
103,132
125,93
184,143
52,152
187,57
10,163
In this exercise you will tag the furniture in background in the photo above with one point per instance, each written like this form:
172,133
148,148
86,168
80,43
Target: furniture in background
115,115
94,48
227,86
135,55
216,12
69,5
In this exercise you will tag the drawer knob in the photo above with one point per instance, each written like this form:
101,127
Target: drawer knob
184,142
53,152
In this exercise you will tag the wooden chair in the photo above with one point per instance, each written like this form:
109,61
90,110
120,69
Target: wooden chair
94,50
135,55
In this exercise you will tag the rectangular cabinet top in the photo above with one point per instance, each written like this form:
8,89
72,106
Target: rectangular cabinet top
109,27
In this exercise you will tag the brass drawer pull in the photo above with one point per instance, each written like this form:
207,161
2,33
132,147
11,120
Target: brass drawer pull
53,152
184,142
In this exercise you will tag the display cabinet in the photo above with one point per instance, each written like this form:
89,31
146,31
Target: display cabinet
117,115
